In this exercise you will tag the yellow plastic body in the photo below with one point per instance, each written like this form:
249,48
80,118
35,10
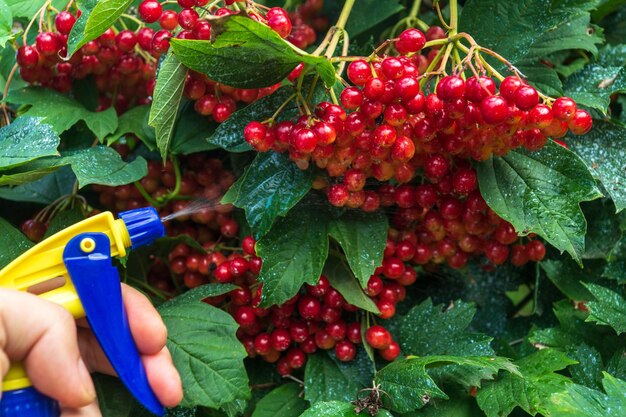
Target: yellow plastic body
44,262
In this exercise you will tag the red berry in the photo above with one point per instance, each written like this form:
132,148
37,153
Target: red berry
451,88
378,337
126,40
309,307
27,57
47,43
494,110
150,11
526,97
564,108
245,317
391,352
64,21
581,123
509,86
535,250
338,195
411,40
464,181
345,351
280,340
478,89
359,72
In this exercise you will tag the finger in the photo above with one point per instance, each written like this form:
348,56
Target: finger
164,379
43,335
145,322
92,353
92,410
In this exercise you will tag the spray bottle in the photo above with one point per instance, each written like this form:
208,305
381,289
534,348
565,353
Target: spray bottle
73,268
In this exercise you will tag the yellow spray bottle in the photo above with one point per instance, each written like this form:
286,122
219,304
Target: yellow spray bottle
73,268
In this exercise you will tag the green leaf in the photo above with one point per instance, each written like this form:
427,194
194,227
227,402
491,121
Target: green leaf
339,409
328,379
103,165
63,112
410,386
457,406
582,401
207,354
27,9
97,165
168,92
134,121
540,192
361,18
191,131
96,17
608,309
588,371
293,252
42,191
569,278
268,188
6,24
573,330
26,139
198,294
603,229
241,47
344,281
13,243
525,31
436,330
597,81
531,390
604,151
284,401
362,237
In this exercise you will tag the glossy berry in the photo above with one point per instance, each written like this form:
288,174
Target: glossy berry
378,337
581,123
564,109
345,351
494,110
391,352
63,22
27,56
410,40
150,11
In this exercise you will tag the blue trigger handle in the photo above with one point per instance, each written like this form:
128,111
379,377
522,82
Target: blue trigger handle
97,283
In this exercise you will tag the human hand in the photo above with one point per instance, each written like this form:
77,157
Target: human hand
58,355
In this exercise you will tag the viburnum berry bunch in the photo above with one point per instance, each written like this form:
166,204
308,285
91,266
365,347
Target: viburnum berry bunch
316,318
124,62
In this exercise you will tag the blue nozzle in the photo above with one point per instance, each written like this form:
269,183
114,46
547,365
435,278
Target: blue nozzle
144,226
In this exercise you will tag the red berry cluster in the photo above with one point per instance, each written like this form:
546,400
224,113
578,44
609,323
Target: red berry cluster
387,128
111,58
306,20
316,318
202,177
214,99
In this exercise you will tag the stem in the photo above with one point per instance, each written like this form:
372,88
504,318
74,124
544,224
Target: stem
133,19
6,92
145,194
282,107
339,27
415,8
454,17
32,21
176,190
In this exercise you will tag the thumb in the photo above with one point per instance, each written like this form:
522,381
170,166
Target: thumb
43,336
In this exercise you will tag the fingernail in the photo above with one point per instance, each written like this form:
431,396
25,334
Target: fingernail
89,390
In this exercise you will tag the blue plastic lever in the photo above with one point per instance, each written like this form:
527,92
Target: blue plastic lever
98,286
